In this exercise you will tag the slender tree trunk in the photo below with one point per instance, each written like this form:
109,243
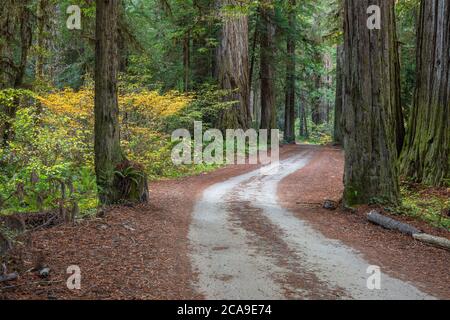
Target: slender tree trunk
318,112
326,82
303,112
201,53
339,95
302,124
371,103
42,20
26,38
186,60
253,51
233,67
109,158
267,68
426,157
289,114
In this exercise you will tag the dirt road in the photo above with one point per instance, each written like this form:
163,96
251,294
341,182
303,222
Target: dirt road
246,245
236,232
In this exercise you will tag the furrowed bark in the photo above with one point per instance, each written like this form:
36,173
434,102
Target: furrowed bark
371,105
233,66
118,179
426,156
267,68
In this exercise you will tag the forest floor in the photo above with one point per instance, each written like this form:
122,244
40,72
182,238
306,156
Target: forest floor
235,233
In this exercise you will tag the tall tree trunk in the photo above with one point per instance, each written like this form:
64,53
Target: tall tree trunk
339,95
303,116
267,68
15,37
26,38
318,107
109,158
289,114
201,52
301,111
186,60
42,20
326,82
371,103
233,66
426,157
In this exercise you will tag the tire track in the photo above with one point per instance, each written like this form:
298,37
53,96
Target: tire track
246,246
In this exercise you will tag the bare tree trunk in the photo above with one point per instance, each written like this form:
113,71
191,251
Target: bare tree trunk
233,67
201,53
326,82
186,60
26,37
109,158
371,103
267,69
42,21
339,95
426,157
301,111
289,114
303,116
318,112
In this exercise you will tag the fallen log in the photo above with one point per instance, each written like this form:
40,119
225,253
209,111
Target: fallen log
432,240
391,224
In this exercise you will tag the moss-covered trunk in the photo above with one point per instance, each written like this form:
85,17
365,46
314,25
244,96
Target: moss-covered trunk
371,105
15,41
426,156
118,180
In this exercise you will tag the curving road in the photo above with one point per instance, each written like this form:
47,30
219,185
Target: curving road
246,246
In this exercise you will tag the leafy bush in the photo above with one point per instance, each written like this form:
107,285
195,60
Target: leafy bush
319,134
49,159
426,203
46,160
205,106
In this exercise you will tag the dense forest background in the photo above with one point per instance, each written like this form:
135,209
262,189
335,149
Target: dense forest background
231,64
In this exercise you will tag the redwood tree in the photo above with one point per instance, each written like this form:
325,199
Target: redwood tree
233,64
267,67
118,179
371,104
289,114
15,41
339,95
426,157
